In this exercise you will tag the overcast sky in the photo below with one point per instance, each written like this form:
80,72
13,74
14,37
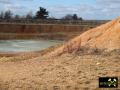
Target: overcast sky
88,9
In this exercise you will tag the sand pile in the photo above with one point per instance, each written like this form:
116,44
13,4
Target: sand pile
106,36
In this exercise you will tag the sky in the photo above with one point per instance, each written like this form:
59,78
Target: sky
87,9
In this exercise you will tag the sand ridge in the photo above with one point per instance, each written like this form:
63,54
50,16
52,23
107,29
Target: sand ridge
106,36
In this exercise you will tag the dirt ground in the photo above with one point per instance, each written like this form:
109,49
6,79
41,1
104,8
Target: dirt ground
66,72
69,71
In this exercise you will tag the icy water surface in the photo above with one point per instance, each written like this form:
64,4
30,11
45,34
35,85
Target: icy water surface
25,45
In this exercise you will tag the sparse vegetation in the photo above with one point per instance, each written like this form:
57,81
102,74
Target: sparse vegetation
72,17
41,14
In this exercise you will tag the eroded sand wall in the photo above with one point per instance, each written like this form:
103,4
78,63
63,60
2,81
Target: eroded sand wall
45,31
41,28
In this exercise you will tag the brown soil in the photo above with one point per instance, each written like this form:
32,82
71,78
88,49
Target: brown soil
66,72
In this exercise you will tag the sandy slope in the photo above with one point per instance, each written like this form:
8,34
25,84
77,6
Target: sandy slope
106,36
67,72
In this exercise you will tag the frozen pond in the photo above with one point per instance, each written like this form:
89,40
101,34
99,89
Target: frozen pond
25,45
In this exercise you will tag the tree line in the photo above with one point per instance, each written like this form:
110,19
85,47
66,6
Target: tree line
42,13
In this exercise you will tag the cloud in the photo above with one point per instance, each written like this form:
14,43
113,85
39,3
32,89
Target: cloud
109,7
109,4
102,9
5,1
109,1
14,7
82,10
10,1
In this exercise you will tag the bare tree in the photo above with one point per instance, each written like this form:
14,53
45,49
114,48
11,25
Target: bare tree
68,17
71,17
2,15
8,15
16,17
29,15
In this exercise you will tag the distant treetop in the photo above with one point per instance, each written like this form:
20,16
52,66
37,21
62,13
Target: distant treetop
42,13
